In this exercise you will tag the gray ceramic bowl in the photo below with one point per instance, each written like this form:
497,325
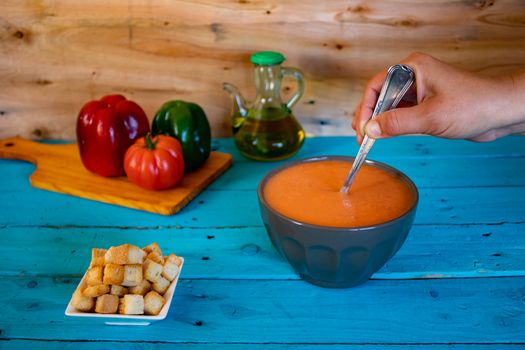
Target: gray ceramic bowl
330,256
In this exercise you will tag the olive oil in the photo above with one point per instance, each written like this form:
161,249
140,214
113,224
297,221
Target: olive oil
269,134
266,129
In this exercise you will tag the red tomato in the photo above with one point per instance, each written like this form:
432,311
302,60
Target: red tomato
155,163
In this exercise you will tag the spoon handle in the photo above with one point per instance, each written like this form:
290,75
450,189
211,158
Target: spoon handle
397,82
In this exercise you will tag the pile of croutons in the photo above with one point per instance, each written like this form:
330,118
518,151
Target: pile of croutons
127,280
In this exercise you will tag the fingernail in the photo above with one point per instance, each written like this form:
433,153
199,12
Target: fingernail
373,129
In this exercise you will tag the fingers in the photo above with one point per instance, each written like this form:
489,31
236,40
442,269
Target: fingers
417,93
400,121
367,104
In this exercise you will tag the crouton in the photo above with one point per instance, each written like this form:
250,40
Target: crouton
118,290
154,256
141,288
132,275
81,302
96,291
113,274
170,270
97,257
131,304
153,303
153,247
161,285
152,270
124,254
174,259
94,275
107,304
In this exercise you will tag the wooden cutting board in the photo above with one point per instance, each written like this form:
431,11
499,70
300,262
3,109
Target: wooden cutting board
59,169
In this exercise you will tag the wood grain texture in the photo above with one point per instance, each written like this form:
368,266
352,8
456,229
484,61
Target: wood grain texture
56,55
59,169
444,311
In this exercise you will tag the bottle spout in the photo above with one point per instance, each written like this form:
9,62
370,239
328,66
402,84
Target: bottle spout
240,107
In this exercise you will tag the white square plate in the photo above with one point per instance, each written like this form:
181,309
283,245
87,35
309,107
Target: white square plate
128,320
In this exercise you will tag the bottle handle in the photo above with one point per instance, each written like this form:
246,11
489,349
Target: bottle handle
297,75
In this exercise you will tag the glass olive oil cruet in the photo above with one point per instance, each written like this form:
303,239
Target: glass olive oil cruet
266,129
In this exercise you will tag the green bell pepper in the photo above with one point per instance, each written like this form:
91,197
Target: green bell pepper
187,122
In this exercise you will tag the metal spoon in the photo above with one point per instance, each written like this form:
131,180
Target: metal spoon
397,82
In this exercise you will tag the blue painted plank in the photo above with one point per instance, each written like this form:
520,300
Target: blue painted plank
429,252
478,310
493,172
240,208
449,162
155,345
469,172
425,173
420,147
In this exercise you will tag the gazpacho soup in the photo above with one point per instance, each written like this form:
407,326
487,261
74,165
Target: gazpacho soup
309,192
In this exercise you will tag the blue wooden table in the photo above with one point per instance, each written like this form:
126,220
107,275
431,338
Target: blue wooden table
458,281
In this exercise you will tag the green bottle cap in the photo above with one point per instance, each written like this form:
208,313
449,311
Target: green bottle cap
267,58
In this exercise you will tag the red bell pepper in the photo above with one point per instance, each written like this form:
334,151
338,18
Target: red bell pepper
105,130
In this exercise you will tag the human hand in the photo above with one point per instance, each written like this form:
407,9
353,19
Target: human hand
447,102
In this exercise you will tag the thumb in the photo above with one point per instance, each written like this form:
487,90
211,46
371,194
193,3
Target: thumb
399,121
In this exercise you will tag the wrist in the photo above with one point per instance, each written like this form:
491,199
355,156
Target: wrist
517,99
511,106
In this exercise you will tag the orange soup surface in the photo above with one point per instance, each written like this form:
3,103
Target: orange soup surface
309,193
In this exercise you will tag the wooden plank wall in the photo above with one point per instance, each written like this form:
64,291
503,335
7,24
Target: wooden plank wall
55,55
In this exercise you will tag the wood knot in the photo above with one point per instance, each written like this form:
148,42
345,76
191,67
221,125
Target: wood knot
215,27
33,305
483,4
268,12
44,82
407,22
339,46
351,13
250,249
19,34
358,9
40,133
